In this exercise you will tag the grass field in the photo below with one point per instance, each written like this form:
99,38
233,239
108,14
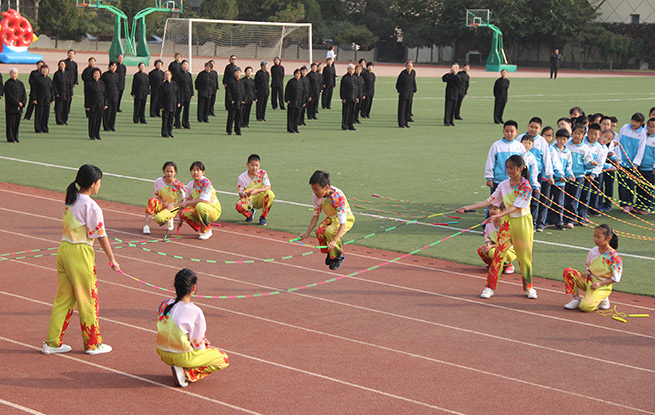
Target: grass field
428,163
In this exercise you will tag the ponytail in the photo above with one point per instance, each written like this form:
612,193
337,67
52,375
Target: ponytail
185,279
609,233
86,176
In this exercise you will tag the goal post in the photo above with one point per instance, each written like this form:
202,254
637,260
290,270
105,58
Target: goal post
202,39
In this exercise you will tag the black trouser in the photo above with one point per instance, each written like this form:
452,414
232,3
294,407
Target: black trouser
326,99
449,111
553,71
183,110
411,106
260,107
608,189
245,114
212,103
626,187
312,107
167,123
458,106
358,109
301,116
12,122
277,95
139,114
347,116
109,116
403,111
70,102
234,118
366,106
203,109
95,118
645,193
499,108
155,111
61,111
555,211
41,117
292,119
120,98
29,110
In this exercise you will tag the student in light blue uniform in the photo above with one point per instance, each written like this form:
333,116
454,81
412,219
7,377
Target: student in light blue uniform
630,137
557,192
645,160
589,194
582,164
544,207
501,150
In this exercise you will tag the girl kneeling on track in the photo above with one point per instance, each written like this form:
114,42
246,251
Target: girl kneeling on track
181,341
168,194
487,250
516,227
83,224
604,268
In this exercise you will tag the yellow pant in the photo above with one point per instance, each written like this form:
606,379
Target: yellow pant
197,363
262,201
200,216
328,229
515,232
488,255
575,280
156,209
77,284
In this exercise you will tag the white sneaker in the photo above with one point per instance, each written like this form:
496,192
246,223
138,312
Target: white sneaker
103,348
206,235
573,304
605,304
64,348
146,230
180,376
487,293
171,225
532,293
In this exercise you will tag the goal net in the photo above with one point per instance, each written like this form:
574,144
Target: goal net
199,40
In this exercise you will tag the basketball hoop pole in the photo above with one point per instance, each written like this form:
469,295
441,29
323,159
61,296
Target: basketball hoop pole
497,59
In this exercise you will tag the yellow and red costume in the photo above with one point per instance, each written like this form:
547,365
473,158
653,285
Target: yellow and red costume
200,216
600,267
262,200
170,193
338,212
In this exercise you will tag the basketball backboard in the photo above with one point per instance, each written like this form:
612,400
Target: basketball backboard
477,17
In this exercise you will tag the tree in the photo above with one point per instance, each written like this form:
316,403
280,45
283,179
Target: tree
219,9
60,18
356,34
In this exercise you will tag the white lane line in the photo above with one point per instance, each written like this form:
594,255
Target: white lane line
21,407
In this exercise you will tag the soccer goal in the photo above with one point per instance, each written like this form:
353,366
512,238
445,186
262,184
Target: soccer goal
202,39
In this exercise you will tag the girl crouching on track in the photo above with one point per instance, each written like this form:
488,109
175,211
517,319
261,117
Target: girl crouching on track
201,206
181,341
168,194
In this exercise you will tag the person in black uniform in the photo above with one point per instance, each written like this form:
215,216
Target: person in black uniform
452,93
140,92
277,84
411,98
168,101
121,70
110,79
175,67
262,78
96,103
63,85
87,78
293,96
361,85
305,94
348,94
33,77
555,59
406,87
464,80
71,68
228,75
15,100
500,96
369,90
212,100
155,77
249,97
315,86
185,89
235,95
44,94
329,82
205,86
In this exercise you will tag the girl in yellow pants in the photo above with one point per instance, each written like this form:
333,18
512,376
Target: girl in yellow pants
167,194
604,268
516,227
339,218
181,341
83,224
487,251
201,206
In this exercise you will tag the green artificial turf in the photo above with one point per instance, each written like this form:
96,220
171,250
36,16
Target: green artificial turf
428,164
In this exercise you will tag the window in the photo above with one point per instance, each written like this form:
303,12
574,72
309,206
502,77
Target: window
634,18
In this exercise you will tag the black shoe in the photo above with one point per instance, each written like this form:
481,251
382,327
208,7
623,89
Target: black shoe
16,141
171,136
459,118
408,126
239,134
328,260
296,131
119,110
336,262
410,120
352,129
229,133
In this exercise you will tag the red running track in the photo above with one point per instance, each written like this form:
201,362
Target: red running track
412,337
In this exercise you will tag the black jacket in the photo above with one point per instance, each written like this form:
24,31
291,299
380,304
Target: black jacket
277,76
44,91
71,68
168,96
500,89
110,79
121,70
214,76
305,88
140,85
175,68
235,91
348,88
262,78
185,86
156,78
464,80
63,85
228,74
87,78
452,85
293,93
14,92
315,83
359,80
95,92
249,89
204,84
369,84
329,76
405,84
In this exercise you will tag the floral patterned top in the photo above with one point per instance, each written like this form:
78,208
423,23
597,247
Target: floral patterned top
519,196
335,205
203,191
83,221
260,180
169,193
607,265
182,329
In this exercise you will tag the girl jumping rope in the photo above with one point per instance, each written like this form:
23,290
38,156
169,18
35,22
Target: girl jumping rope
168,194
516,226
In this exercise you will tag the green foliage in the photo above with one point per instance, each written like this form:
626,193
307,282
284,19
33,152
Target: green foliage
356,33
60,18
219,9
291,13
